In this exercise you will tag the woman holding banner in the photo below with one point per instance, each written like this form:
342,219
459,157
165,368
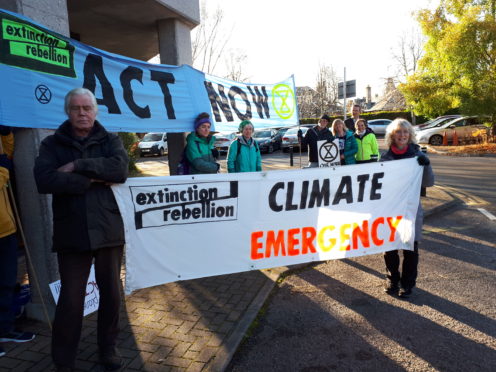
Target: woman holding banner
244,154
400,137
199,146
347,144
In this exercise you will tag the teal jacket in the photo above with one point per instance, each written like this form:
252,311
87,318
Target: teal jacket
247,159
367,146
199,154
350,148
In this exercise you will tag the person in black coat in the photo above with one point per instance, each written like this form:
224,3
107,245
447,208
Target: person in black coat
350,122
312,136
77,165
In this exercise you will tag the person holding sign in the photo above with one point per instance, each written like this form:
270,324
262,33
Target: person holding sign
347,144
313,135
199,146
400,137
77,165
368,149
244,154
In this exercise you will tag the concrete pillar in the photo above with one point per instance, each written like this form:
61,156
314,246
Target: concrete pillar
175,49
35,209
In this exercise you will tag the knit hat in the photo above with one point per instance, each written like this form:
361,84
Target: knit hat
326,117
200,121
243,124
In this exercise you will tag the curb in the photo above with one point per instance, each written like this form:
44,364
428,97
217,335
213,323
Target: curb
232,343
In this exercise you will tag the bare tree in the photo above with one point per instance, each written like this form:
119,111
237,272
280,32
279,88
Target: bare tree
235,63
326,89
209,39
407,54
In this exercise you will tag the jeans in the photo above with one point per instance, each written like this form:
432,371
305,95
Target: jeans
74,270
8,279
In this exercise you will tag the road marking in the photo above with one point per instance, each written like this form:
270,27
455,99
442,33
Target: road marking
489,215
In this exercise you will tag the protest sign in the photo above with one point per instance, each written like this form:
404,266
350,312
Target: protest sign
186,227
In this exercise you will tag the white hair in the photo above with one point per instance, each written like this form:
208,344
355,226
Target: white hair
79,92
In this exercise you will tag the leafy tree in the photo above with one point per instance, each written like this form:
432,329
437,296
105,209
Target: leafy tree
458,68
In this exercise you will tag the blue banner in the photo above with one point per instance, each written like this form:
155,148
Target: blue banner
38,67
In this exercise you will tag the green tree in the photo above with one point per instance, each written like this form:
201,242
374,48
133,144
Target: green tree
458,69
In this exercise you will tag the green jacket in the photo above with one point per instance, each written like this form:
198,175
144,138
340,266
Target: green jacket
367,146
245,159
350,148
199,154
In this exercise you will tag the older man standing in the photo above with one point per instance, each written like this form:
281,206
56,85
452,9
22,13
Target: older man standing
77,164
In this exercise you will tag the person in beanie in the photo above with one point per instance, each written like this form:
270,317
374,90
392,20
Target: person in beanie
312,136
77,165
244,154
199,146
400,137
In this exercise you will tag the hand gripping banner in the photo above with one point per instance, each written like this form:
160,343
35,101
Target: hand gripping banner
187,227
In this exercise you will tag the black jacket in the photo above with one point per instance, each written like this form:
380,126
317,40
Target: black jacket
312,136
85,213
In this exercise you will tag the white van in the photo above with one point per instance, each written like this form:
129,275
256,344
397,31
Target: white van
153,144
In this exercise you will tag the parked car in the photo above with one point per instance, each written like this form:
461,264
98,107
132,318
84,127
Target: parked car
436,122
464,127
267,139
223,140
153,144
378,125
290,138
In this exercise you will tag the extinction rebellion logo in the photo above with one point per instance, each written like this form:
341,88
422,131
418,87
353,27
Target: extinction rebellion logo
186,203
283,101
27,46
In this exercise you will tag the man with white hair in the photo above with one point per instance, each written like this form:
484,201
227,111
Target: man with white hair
77,165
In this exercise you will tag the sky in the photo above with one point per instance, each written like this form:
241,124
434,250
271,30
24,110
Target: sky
294,37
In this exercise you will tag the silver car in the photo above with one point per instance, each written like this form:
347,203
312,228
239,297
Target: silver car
379,125
464,127
290,138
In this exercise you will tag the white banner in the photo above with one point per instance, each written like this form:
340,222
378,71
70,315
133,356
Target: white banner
186,227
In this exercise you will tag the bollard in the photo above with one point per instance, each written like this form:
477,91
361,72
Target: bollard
291,156
423,190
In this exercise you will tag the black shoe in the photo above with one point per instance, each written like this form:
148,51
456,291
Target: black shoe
111,360
391,288
405,292
17,336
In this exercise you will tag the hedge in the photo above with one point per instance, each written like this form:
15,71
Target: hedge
373,115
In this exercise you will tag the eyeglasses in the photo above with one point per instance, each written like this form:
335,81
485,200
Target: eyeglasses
79,108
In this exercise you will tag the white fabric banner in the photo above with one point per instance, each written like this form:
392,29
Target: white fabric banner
186,227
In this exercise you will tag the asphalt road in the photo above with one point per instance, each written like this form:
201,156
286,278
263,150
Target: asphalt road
334,316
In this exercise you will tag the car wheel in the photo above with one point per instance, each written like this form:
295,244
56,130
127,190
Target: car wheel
270,149
436,140
161,152
284,149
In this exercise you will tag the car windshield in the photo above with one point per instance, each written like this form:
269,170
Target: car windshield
261,134
152,137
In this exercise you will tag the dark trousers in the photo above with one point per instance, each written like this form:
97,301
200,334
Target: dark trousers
408,275
8,279
74,269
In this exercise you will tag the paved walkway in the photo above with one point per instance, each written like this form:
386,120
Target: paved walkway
193,325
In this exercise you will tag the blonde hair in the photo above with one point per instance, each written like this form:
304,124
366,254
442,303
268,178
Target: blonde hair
334,123
397,124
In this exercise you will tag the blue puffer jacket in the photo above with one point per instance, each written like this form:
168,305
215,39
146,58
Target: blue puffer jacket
244,159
